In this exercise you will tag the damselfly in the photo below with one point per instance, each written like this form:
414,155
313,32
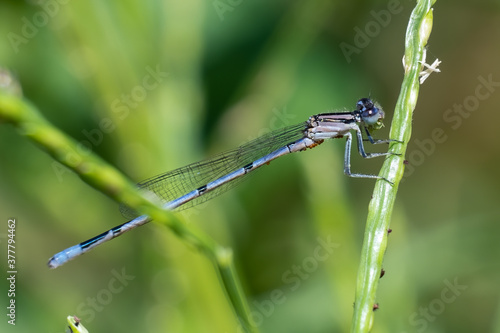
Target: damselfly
198,182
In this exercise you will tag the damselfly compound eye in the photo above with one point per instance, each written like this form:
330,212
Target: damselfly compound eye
365,104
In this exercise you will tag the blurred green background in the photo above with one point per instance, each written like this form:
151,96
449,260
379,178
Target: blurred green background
226,72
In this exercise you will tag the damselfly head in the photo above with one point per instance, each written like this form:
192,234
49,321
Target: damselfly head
371,113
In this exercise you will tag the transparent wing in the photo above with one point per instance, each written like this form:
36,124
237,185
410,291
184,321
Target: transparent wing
176,183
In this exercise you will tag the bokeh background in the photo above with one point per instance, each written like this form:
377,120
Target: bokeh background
226,72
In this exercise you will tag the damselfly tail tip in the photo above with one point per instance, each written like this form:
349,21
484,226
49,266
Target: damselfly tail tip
53,263
63,257
56,261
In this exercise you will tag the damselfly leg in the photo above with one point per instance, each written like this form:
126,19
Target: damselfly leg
363,153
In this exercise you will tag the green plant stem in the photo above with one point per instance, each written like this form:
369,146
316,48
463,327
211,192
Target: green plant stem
381,205
106,179
75,326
